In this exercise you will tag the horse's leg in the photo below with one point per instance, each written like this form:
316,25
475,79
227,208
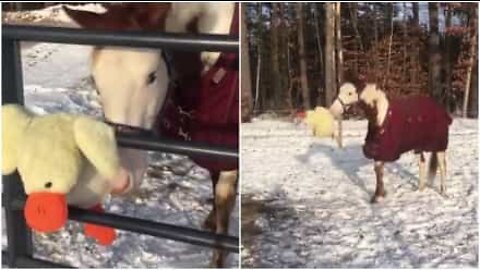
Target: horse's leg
225,192
379,190
442,164
421,167
340,133
209,222
337,132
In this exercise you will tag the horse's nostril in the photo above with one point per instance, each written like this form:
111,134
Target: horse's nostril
48,184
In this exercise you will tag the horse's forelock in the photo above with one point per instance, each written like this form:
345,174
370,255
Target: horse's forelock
130,16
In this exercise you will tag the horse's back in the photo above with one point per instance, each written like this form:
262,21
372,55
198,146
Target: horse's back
424,124
413,123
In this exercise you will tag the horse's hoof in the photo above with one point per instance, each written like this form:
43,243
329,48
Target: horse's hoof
209,223
443,192
377,198
217,261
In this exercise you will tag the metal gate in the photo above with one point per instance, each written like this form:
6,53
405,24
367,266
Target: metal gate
19,236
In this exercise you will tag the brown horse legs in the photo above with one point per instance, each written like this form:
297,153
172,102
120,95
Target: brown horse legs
379,190
442,164
209,222
422,172
224,188
437,157
225,192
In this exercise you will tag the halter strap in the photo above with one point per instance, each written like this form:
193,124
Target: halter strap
131,130
344,106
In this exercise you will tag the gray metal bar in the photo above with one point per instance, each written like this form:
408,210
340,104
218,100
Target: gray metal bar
174,41
175,146
157,229
19,238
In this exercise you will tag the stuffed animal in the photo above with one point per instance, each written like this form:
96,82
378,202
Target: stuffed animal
62,159
321,121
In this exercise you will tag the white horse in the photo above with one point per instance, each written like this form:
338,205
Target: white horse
133,83
400,125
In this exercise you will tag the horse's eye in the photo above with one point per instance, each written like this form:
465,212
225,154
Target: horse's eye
151,78
48,184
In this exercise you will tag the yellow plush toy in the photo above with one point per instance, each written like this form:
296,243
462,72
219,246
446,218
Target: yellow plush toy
62,159
321,121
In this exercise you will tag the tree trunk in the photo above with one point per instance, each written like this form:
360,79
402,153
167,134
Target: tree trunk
447,61
416,18
246,100
388,11
375,34
471,62
290,76
353,17
275,70
473,103
283,51
330,65
405,41
303,63
338,43
318,40
390,41
434,79
261,92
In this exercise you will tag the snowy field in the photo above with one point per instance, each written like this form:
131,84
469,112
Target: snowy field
305,202
174,190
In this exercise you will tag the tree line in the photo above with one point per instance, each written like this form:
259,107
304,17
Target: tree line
295,55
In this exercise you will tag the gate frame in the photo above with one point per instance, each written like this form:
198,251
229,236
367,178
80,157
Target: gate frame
19,253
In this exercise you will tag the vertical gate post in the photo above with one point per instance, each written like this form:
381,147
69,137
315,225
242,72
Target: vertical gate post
19,236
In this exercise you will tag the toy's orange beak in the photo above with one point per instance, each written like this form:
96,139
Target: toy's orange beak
46,211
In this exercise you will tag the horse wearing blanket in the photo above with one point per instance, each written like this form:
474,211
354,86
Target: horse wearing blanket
401,125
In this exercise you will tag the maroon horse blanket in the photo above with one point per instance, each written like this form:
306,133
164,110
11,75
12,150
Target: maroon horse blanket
204,108
414,123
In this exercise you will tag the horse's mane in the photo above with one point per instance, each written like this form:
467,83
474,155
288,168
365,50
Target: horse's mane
126,16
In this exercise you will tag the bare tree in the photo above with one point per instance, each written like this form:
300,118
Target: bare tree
471,61
416,18
405,39
303,63
390,40
375,36
246,100
330,65
260,94
275,70
473,103
338,42
317,23
447,58
434,79
283,58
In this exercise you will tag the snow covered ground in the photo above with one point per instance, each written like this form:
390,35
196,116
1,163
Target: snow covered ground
305,202
175,190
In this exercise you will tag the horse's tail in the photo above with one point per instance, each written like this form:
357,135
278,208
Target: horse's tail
433,166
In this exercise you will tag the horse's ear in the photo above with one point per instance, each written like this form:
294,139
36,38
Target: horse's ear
85,19
151,15
117,18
